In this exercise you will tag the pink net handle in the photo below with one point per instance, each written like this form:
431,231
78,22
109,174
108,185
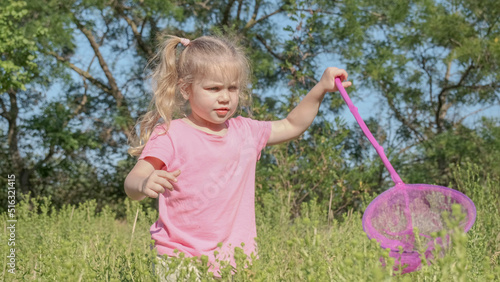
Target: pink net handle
395,177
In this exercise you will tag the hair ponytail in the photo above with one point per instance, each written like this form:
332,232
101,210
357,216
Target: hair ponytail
166,97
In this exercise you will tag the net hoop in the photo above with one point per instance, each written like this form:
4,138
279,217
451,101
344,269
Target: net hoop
394,244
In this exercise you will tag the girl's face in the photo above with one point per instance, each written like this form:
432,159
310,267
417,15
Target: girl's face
213,100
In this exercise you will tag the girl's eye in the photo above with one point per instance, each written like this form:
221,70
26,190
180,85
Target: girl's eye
233,88
214,88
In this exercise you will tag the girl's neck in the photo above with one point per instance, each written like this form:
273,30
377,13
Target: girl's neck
220,130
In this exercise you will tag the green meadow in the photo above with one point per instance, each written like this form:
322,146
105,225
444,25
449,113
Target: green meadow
77,243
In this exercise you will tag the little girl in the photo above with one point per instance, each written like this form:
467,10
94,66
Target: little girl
202,166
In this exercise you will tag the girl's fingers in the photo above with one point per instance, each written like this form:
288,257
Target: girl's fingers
158,181
346,84
171,176
162,180
154,189
160,184
151,194
342,74
160,189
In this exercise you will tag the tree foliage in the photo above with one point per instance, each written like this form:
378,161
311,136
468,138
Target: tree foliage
434,64
429,62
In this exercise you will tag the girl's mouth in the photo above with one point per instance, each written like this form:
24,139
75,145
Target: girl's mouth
222,111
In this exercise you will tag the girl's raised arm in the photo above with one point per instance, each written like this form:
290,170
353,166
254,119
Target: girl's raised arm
300,118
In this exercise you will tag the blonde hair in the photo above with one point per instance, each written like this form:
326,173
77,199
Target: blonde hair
175,69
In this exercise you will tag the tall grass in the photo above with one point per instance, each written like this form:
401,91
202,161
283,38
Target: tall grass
78,244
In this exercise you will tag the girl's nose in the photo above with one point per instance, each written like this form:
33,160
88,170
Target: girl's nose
224,96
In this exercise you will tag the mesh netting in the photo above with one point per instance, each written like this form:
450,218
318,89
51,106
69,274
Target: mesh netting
392,217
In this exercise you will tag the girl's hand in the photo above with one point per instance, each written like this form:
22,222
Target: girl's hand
157,181
327,81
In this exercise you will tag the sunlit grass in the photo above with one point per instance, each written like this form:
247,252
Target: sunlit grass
78,244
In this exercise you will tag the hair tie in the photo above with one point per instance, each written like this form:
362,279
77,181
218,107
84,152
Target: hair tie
185,42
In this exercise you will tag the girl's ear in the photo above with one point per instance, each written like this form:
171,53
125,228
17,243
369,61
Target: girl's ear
184,88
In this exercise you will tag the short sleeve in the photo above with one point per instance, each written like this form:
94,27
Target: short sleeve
159,146
260,131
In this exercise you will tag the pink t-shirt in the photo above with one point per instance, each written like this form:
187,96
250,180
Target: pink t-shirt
213,199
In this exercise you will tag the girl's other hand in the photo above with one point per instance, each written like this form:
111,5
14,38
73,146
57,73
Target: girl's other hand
158,181
327,81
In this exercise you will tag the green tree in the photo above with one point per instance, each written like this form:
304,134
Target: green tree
433,64
17,69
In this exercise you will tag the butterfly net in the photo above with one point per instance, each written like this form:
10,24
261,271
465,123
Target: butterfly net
400,213
408,217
